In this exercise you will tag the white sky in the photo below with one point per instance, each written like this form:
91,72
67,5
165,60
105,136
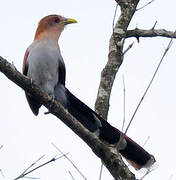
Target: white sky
84,48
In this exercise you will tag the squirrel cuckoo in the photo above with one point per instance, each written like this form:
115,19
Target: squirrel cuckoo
43,63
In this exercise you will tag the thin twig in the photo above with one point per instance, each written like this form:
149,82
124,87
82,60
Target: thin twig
150,83
124,112
113,26
1,169
144,5
115,12
124,102
2,174
31,177
33,164
71,175
147,173
70,161
154,26
146,141
171,177
128,48
101,170
52,160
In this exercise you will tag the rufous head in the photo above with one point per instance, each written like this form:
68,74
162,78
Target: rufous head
51,27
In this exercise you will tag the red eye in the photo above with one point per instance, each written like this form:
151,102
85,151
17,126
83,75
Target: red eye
56,20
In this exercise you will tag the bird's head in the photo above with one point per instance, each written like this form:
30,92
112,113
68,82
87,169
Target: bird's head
51,26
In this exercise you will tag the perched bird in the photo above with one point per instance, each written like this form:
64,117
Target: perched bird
43,63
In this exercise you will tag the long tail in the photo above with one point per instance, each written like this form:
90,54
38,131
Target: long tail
129,149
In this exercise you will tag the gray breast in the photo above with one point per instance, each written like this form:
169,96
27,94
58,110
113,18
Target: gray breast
43,63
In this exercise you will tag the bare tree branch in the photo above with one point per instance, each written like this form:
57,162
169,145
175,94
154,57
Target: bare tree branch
115,57
108,155
137,33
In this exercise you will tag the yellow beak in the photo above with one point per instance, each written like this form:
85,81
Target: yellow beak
69,21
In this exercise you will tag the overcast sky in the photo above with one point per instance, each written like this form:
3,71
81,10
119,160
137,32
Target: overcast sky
84,47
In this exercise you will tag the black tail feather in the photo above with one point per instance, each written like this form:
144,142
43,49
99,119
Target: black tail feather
133,152
136,155
82,112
